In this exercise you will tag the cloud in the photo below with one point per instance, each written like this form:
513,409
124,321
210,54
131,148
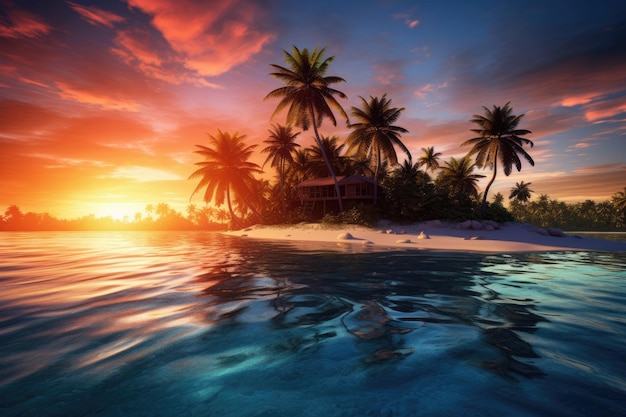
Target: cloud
100,99
21,23
154,58
590,183
96,16
210,40
424,90
407,19
143,174
389,73
605,109
580,145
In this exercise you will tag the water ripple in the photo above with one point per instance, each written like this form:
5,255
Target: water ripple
112,323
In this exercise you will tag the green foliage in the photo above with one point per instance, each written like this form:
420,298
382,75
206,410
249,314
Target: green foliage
498,213
362,215
583,216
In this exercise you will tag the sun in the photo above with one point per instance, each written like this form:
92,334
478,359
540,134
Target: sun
122,211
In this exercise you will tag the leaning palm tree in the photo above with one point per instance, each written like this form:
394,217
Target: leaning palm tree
225,170
375,134
498,139
429,159
308,96
521,192
458,176
281,147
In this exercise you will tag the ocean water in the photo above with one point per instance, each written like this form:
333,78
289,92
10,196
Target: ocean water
201,324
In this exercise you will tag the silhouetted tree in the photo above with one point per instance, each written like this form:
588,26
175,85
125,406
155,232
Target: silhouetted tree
281,145
498,139
458,176
308,96
521,192
429,159
225,170
374,135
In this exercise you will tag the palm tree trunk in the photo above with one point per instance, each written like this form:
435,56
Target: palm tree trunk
328,165
233,218
282,184
378,162
493,178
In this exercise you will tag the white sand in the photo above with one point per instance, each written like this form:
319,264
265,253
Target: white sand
435,235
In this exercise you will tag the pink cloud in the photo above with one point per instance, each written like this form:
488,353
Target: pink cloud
408,20
210,40
32,82
424,90
21,23
97,16
605,109
388,73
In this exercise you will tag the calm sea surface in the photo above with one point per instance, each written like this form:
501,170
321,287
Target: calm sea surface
201,324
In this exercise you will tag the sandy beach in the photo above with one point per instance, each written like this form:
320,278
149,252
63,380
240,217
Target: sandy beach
469,236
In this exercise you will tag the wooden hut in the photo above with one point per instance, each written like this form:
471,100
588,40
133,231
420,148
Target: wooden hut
318,195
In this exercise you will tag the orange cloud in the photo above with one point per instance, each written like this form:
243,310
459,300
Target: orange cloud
97,16
154,59
576,100
21,23
211,40
144,174
77,94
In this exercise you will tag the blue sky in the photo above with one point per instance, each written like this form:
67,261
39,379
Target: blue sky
102,102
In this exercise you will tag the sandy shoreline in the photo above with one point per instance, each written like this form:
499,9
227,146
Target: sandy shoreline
470,236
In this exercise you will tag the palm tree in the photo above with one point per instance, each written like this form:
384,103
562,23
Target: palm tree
149,210
308,96
192,213
374,134
329,152
163,210
521,192
457,175
281,147
498,199
409,171
298,171
619,201
225,170
429,159
359,165
498,139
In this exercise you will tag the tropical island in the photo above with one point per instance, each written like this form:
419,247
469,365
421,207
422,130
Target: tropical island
356,181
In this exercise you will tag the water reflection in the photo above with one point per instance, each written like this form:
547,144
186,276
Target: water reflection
378,298
195,323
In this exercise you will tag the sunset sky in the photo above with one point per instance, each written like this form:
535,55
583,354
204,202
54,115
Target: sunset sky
102,102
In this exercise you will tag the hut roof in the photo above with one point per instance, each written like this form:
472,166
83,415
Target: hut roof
341,180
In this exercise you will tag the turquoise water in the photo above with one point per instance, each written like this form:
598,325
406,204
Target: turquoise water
200,324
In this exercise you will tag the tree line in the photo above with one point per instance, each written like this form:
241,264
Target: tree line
155,217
